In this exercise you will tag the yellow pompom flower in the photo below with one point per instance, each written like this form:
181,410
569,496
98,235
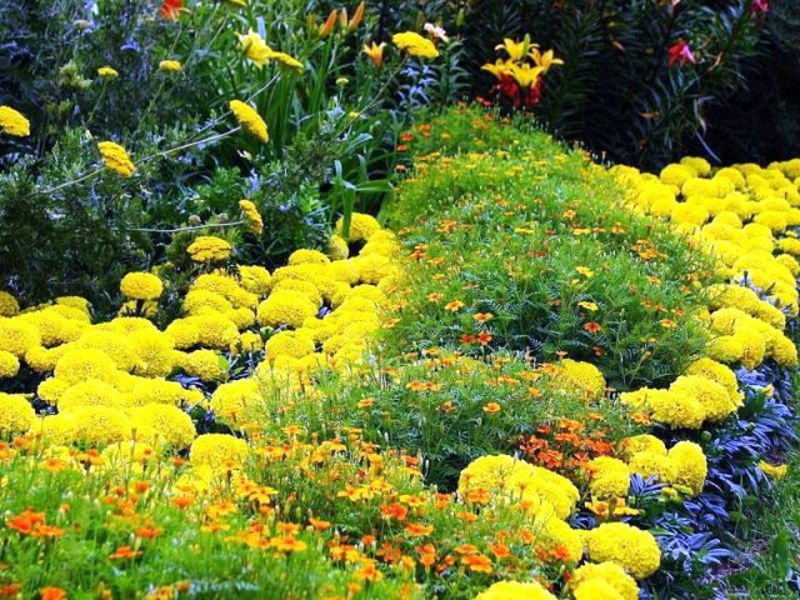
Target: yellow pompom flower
169,66
231,401
285,308
295,344
99,426
362,227
515,590
633,549
9,364
686,466
141,286
116,158
16,414
8,305
209,248
249,119
17,336
218,450
171,426
415,45
13,122
107,72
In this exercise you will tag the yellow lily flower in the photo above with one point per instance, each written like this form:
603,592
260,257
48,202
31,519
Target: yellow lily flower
375,52
499,68
517,50
525,75
255,48
545,60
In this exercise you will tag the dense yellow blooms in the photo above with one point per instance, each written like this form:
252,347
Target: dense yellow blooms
249,119
13,122
116,158
208,248
141,286
169,66
255,223
514,590
217,450
415,45
633,549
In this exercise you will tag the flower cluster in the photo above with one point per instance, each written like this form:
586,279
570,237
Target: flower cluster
520,74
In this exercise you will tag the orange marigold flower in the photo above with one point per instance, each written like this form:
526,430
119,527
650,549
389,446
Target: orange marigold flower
369,572
52,593
593,327
491,408
418,530
124,552
484,337
454,305
478,563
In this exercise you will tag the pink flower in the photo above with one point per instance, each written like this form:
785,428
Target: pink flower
680,53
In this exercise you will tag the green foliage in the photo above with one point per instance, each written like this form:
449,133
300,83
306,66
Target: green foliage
528,233
332,127
617,92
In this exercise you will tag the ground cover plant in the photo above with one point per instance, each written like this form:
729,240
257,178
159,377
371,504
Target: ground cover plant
269,328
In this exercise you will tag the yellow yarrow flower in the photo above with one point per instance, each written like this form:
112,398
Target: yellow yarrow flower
169,66
208,248
254,221
13,122
108,72
415,45
249,119
116,158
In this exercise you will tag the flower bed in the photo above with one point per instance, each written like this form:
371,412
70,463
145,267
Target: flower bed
545,379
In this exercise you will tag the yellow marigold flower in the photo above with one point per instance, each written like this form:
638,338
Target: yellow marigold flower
515,590
415,45
98,426
231,401
254,221
295,344
610,573
205,364
16,414
108,72
141,286
218,450
208,248
8,305
595,589
9,364
18,336
777,471
249,119
169,66
686,466
13,122
116,158
633,549
170,426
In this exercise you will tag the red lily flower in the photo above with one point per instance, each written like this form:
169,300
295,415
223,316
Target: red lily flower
680,53
171,8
